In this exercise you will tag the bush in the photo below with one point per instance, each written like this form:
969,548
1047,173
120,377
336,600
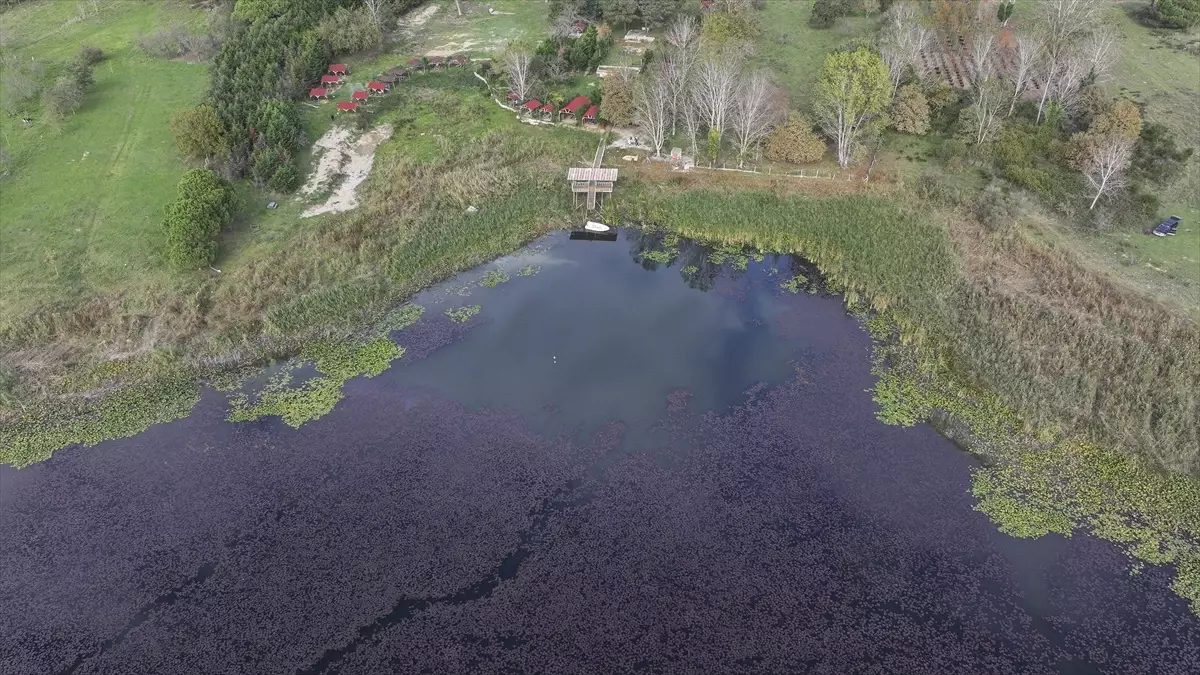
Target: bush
1178,13
62,98
286,179
90,55
165,43
1158,158
794,142
935,191
826,12
350,30
996,210
265,162
198,133
205,205
81,72
910,111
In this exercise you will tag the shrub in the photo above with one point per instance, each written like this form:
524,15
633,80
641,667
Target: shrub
265,162
910,111
165,43
1178,13
350,30
1157,157
996,210
794,142
933,190
204,205
62,98
198,133
285,179
90,55
826,12
81,72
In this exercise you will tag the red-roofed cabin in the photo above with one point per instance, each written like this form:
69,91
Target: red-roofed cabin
547,109
398,73
339,69
347,106
377,87
436,61
414,62
590,115
360,95
530,106
318,93
513,97
578,103
331,79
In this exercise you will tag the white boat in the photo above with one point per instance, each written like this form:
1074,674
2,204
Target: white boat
593,226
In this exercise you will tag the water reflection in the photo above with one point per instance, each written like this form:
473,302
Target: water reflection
603,471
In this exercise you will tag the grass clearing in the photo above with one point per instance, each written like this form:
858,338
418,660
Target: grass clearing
82,202
794,50
477,32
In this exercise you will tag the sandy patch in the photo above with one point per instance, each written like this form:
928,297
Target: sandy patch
352,158
417,18
452,48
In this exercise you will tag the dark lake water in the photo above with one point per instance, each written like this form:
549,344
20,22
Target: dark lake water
611,469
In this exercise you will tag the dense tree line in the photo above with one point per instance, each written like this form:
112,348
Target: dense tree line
646,12
205,203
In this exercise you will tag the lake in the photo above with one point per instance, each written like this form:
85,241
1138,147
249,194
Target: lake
617,466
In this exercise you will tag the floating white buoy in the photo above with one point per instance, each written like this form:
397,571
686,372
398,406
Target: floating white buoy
596,227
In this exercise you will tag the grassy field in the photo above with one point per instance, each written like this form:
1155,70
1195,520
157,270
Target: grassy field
436,27
1157,71
82,202
794,51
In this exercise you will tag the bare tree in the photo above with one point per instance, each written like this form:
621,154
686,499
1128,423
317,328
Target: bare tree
651,109
1028,53
987,106
458,6
1106,166
519,66
901,42
1100,50
1063,23
378,11
715,84
683,31
689,117
982,48
752,114
677,69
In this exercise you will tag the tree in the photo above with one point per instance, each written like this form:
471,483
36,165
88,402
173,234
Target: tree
728,29
651,108
351,30
1100,50
1005,11
853,88
826,12
677,69
279,124
619,11
753,114
1027,54
617,105
794,142
955,18
198,133
910,111
62,98
689,117
519,67
1178,13
683,31
658,12
983,118
1107,164
204,205
378,10
1062,23
901,42
982,51
715,85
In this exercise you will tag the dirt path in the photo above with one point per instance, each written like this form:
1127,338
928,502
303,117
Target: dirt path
345,157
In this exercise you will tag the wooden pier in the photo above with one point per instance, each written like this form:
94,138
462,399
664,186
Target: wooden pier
594,181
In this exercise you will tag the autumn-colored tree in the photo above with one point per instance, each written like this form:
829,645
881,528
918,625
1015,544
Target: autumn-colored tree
617,104
794,142
910,111
1120,119
198,133
952,18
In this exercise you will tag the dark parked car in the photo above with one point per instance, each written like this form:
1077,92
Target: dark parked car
1167,227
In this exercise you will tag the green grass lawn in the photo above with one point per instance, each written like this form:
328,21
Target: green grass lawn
477,32
82,202
794,51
